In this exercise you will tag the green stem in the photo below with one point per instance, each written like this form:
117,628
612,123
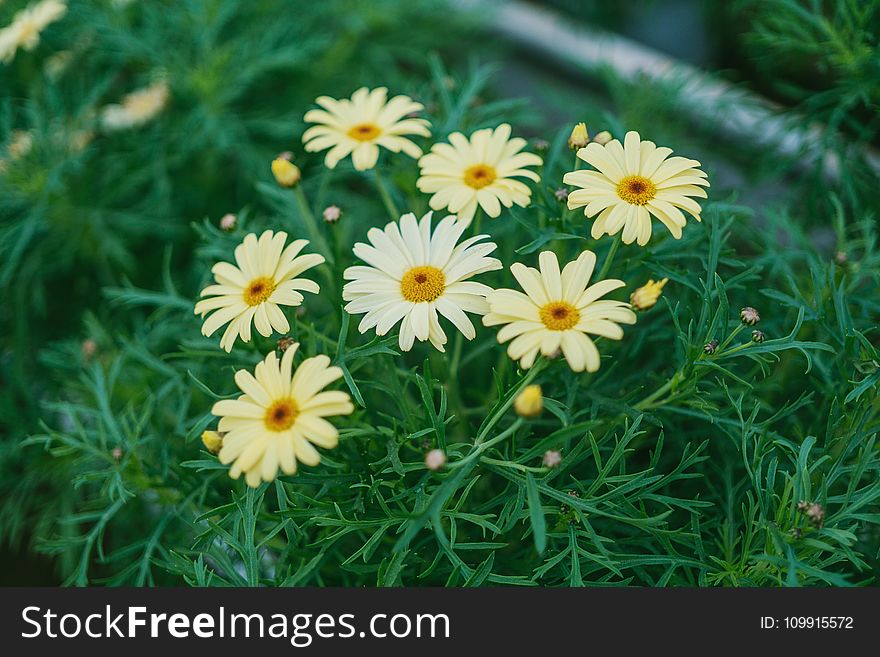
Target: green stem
480,447
744,345
478,220
312,224
512,464
456,357
609,258
390,206
729,338
453,390
656,394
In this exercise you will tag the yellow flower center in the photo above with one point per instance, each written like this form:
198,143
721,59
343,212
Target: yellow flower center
27,31
422,284
479,176
559,315
281,415
259,290
636,190
364,131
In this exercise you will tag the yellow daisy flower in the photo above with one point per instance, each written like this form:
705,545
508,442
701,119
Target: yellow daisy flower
280,417
361,125
264,279
413,275
480,171
634,181
137,108
24,31
557,311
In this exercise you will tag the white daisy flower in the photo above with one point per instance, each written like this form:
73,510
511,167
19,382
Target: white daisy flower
264,279
280,417
557,311
412,275
361,125
137,108
633,182
480,171
24,31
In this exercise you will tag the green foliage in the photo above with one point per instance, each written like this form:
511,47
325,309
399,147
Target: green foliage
680,467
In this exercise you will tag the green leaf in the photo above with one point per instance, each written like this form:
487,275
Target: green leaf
536,514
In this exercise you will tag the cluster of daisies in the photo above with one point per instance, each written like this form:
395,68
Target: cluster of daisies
420,277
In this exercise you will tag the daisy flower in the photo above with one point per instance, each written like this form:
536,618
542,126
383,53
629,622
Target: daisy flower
633,182
557,311
480,171
264,279
413,274
361,125
137,108
24,32
280,417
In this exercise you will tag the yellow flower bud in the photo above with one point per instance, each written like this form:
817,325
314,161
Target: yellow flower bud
579,137
646,296
530,402
286,173
213,441
603,138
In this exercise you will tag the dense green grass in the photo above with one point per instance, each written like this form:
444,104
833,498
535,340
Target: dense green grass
679,468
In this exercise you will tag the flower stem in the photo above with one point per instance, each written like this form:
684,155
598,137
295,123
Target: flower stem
453,391
481,447
390,206
659,392
312,225
478,220
512,464
729,339
609,258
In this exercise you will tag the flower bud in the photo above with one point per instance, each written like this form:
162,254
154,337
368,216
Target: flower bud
435,459
579,137
284,344
552,458
749,316
646,296
213,441
710,347
89,347
603,138
228,221
814,512
116,454
332,214
758,336
541,145
529,402
286,173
